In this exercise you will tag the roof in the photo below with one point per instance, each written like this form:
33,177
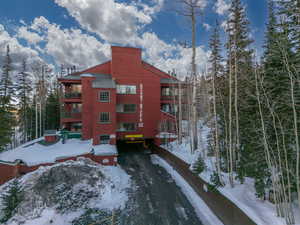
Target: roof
168,81
103,81
71,77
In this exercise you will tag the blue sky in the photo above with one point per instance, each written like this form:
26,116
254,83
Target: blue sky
79,32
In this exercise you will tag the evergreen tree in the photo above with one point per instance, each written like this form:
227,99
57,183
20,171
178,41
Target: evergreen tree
216,70
24,89
52,111
6,83
11,199
6,109
199,166
241,103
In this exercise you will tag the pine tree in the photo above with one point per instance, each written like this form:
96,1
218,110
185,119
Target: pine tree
6,84
24,89
11,199
52,111
199,166
241,107
6,98
216,70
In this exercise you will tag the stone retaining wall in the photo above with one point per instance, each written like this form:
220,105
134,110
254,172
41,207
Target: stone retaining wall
223,208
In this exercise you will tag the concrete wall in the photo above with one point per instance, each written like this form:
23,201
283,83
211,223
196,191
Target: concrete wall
223,208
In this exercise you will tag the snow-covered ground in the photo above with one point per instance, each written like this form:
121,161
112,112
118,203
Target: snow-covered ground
204,213
243,195
110,183
33,153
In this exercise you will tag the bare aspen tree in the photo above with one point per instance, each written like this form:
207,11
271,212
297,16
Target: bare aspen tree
179,113
295,119
191,9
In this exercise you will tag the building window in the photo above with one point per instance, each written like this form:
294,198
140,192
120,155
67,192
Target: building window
126,89
104,139
104,117
104,96
126,108
126,127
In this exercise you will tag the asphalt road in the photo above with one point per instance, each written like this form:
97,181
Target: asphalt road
154,198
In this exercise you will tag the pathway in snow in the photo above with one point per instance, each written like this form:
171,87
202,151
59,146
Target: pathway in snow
154,197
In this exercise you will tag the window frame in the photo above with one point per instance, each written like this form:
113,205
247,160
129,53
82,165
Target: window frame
104,122
99,96
104,135
125,86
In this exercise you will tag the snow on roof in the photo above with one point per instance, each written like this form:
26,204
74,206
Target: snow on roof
166,135
36,153
105,149
87,75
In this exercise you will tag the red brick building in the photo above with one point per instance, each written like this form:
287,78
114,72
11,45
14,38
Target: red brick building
122,99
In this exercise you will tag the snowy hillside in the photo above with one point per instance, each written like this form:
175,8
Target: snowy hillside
73,192
243,195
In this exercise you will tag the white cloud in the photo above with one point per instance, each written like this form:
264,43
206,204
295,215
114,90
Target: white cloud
31,37
171,56
70,46
222,6
207,26
73,47
112,21
18,52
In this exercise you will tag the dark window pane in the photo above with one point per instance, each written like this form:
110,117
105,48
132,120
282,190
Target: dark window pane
104,96
104,117
104,139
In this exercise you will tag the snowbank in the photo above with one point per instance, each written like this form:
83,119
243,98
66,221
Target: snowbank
204,213
36,153
105,149
243,195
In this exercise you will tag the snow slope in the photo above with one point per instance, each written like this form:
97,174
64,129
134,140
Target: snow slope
36,153
111,190
243,195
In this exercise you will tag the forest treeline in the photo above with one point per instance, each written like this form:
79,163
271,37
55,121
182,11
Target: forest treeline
255,104
29,101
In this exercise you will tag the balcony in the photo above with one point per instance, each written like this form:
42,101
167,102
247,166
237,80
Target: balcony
71,117
72,97
169,98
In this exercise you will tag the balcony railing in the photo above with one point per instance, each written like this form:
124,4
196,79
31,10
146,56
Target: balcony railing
72,95
169,97
71,115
